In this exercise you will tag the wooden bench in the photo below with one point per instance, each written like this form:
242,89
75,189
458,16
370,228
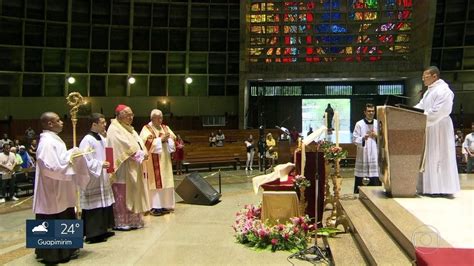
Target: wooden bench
351,154
211,161
201,154
24,182
232,136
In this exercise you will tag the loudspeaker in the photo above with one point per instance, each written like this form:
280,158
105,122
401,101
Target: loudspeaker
196,190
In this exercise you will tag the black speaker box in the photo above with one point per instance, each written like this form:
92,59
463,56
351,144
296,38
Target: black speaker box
196,190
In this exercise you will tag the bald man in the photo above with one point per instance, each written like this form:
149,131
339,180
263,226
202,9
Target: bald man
55,183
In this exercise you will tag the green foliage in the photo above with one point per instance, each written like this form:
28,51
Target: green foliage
301,182
328,231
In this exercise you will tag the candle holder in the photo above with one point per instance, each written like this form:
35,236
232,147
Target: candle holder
328,197
303,203
337,217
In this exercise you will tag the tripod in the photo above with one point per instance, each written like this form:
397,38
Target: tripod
314,253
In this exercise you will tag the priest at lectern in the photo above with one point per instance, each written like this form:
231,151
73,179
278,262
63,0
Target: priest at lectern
439,170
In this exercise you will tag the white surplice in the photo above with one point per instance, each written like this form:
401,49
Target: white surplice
440,170
98,193
367,154
56,177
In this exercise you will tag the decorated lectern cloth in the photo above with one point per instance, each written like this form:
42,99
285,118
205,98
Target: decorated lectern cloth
280,171
98,193
126,143
366,161
57,176
159,166
440,170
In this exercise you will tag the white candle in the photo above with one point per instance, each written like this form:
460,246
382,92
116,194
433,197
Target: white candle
336,126
326,119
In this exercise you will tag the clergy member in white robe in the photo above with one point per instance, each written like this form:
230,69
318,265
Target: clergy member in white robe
128,177
365,138
439,172
56,183
159,141
97,198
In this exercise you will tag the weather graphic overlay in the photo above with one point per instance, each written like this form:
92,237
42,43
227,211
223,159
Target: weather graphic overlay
54,234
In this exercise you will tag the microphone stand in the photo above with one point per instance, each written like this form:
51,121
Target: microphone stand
314,253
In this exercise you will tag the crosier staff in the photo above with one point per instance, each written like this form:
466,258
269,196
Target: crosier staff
75,100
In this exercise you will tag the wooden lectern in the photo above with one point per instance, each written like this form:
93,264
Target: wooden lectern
284,151
401,142
315,173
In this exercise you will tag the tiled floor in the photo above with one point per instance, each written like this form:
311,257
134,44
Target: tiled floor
193,235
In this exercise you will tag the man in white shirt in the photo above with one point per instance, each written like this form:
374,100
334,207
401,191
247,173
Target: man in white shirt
468,149
5,140
220,138
7,166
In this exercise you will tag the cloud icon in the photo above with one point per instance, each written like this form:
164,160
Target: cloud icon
41,228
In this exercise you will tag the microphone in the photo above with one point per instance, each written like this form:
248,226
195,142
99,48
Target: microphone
284,130
397,96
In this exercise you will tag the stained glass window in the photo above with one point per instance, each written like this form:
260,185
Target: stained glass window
328,30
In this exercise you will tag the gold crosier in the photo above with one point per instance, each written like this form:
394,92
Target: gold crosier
75,100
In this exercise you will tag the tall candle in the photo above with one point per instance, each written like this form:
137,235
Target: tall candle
326,119
336,126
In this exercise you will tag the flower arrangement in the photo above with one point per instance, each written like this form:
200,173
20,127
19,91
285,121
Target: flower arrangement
335,153
252,231
301,182
325,145
331,152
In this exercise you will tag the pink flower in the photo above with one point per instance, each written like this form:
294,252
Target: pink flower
295,220
286,236
305,227
274,241
300,220
296,230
